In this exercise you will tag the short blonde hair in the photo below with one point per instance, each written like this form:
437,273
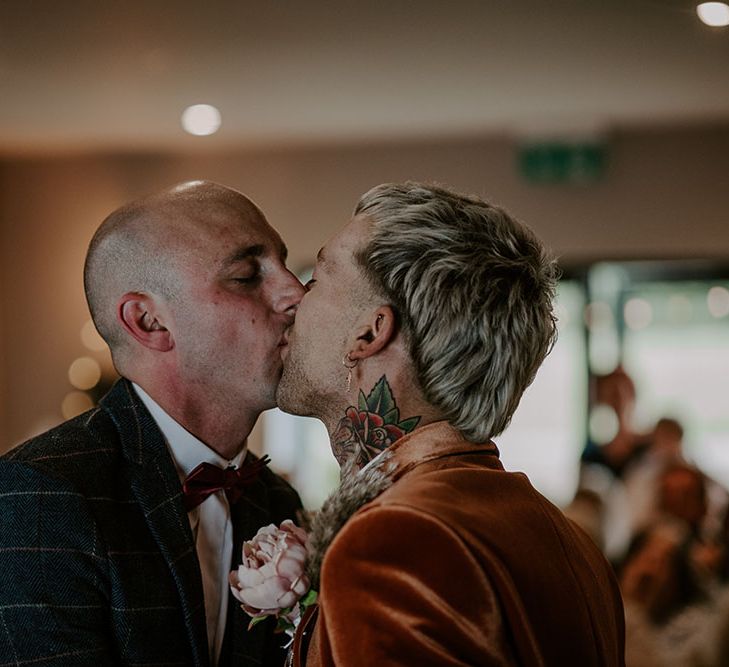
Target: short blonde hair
473,288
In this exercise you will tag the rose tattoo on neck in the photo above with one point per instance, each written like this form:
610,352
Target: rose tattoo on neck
370,427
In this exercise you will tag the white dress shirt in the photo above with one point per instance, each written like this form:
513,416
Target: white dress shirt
210,520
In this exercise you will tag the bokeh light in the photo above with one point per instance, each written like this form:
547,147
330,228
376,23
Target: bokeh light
718,301
201,120
638,314
74,403
714,14
84,373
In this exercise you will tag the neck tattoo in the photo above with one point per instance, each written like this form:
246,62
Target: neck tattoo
370,427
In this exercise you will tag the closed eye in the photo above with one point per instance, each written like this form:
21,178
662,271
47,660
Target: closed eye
309,284
247,280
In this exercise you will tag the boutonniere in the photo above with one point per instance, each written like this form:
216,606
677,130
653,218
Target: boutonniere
280,569
271,579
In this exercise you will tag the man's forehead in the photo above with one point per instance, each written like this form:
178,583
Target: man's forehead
249,226
220,243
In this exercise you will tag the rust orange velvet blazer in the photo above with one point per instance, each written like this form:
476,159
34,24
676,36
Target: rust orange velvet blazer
461,563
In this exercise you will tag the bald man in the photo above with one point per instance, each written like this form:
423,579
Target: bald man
118,528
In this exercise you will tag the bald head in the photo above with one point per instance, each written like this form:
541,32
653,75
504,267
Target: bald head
139,248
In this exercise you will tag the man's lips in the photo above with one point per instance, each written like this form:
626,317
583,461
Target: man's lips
283,348
284,342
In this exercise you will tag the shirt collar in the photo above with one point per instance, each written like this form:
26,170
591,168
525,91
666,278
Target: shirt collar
187,451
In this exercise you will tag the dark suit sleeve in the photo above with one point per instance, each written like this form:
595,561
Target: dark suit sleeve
399,587
54,606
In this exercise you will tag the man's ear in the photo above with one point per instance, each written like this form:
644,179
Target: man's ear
375,334
139,315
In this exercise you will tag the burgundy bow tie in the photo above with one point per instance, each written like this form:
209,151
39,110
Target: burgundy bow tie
207,478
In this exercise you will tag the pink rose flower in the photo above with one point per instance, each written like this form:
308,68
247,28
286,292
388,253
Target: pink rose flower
271,577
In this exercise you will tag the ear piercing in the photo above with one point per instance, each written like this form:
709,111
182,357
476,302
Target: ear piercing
349,364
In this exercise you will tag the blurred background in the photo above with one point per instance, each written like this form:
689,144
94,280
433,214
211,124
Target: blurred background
603,125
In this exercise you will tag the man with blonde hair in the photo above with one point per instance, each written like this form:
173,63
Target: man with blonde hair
118,528
426,318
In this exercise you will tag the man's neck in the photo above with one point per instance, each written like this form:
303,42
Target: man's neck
372,422
225,431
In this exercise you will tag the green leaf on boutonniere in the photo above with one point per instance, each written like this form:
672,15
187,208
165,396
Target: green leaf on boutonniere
309,599
255,621
362,402
284,624
392,416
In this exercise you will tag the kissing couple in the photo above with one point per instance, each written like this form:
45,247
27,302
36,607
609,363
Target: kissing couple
426,318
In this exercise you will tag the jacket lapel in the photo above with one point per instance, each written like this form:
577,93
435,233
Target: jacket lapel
157,489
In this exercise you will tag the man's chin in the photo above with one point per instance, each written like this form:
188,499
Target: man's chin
288,393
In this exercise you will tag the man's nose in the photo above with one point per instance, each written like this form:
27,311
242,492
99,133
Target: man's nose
288,293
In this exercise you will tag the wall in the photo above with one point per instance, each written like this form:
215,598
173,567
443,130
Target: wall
665,194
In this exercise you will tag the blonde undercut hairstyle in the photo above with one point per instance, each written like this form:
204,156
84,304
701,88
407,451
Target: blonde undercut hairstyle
473,289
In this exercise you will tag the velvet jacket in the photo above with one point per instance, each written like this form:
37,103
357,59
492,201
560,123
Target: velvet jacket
97,560
461,563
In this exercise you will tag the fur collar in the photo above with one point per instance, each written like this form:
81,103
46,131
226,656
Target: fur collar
357,488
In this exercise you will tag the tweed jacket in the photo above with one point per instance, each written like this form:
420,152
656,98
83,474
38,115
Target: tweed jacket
459,562
97,560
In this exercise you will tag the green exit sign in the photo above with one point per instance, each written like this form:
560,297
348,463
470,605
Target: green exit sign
558,162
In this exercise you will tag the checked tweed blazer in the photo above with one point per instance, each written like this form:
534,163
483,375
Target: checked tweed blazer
97,561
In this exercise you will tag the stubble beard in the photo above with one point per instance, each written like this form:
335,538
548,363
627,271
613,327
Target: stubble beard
294,391
287,393
300,392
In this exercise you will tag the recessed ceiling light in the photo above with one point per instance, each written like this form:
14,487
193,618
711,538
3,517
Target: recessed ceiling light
201,119
715,14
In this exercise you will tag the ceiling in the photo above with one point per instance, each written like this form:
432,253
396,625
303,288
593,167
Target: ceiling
102,74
